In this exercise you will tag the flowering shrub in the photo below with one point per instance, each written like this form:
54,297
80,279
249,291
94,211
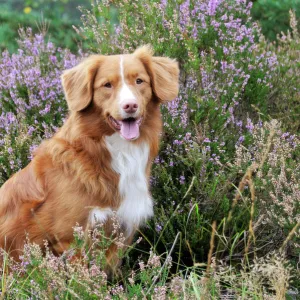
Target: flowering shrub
41,275
32,102
271,155
231,82
224,155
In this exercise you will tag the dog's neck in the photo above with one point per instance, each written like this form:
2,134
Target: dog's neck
80,126
88,130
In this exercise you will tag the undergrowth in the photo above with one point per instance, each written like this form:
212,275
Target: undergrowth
226,181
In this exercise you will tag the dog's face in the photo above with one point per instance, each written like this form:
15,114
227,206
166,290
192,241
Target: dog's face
122,89
122,86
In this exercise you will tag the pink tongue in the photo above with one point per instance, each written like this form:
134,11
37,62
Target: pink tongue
130,129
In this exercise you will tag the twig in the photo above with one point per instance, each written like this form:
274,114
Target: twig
290,235
211,248
269,143
177,207
251,230
244,182
156,277
210,253
249,172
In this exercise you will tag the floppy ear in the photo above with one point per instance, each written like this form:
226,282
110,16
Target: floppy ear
163,71
165,78
78,82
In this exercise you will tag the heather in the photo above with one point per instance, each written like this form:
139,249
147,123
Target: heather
226,181
32,101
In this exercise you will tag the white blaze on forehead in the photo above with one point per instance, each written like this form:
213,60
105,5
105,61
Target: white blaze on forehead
122,68
125,92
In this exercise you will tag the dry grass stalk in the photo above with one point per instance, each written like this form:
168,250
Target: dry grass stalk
210,253
247,178
211,248
251,230
290,235
268,147
243,183
207,273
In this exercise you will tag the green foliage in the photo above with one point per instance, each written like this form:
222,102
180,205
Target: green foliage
53,18
273,15
228,80
229,152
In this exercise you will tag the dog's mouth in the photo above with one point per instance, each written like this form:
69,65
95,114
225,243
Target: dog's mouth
129,128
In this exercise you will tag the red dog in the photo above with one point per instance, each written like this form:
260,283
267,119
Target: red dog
100,160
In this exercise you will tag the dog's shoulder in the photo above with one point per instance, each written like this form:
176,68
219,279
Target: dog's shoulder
26,187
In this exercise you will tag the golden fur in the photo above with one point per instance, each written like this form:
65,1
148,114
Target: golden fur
72,172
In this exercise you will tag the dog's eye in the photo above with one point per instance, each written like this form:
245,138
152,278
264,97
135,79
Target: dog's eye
107,85
139,81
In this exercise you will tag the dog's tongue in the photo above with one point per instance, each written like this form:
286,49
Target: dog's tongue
130,129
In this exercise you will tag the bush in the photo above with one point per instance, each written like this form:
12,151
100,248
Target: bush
32,101
55,18
225,157
274,16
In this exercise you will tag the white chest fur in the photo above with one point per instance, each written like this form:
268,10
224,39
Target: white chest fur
130,161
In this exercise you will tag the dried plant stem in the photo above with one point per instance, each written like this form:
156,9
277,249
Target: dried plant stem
25,281
4,276
247,180
210,253
175,210
243,183
251,230
249,172
267,149
290,235
211,248
163,266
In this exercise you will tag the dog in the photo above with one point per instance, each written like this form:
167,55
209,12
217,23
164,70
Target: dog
99,162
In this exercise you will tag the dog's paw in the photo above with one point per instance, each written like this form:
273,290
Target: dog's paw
99,216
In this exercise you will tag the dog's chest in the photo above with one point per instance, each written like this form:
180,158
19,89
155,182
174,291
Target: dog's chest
130,162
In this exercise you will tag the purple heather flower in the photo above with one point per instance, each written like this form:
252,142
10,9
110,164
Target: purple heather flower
249,125
241,139
181,179
177,142
158,228
163,4
223,66
212,7
184,15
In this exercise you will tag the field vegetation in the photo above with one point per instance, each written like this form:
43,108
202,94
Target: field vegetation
226,181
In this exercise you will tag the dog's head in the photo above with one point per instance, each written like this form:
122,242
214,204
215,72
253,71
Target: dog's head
122,87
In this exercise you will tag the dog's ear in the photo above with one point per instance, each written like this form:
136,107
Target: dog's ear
163,71
78,82
165,78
